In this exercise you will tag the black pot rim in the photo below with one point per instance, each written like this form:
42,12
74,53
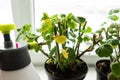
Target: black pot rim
98,69
75,76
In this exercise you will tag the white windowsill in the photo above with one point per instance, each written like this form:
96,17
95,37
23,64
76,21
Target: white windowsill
39,58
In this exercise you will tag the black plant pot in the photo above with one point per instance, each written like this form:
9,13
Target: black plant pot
102,69
67,75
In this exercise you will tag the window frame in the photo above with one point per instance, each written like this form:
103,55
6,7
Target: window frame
23,12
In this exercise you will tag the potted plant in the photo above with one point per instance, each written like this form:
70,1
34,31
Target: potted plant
110,47
63,35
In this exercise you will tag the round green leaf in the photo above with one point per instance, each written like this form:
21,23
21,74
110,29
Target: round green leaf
115,68
112,31
114,17
112,77
104,50
113,42
116,10
112,11
113,25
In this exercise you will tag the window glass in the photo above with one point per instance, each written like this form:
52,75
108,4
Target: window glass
5,17
95,11
5,12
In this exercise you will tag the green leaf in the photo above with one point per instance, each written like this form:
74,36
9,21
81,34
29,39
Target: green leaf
80,39
86,38
45,16
54,18
78,62
72,40
62,15
72,34
75,30
104,50
114,17
113,42
25,30
46,25
99,31
116,11
65,64
112,31
104,23
71,23
88,30
36,49
19,29
52,51
113,25
114,34
70,16
112,77
71,54
112,11
115,68
81,19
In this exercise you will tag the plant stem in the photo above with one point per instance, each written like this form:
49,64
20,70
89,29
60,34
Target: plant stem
116,55
60,30
78,36
111,59
65,31
90,48
77,45
83,28
118,44
44,53
106,33
57,50
119,39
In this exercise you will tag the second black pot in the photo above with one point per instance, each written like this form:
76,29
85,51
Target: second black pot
102,69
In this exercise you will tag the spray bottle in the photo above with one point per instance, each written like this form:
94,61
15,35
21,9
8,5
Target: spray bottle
15,62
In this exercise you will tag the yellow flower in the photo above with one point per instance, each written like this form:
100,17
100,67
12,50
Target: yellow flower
65,54
60,39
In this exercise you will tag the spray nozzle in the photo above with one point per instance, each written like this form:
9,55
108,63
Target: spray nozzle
5,29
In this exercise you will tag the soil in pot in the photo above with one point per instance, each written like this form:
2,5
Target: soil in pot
54,73
102,69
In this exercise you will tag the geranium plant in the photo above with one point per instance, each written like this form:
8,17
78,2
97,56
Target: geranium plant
63,35
110,46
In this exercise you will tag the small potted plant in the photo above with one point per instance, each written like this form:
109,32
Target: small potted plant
110,47
63,35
